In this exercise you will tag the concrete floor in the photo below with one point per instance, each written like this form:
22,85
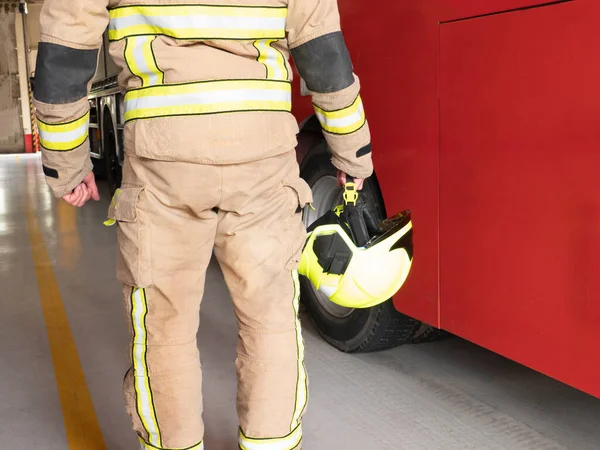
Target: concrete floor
446,395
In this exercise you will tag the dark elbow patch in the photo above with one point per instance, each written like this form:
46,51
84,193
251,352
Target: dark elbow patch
62,74
49,172
364,151
324,63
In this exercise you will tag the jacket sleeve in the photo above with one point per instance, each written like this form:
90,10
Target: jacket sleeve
71,36
319,51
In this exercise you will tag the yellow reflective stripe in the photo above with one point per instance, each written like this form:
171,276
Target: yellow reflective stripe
273,59
288,442
343,121
143,391
302,382
207,98
198,22
141,62
145,446
64,136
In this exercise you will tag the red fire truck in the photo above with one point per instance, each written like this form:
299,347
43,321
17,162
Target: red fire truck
485,121
484,116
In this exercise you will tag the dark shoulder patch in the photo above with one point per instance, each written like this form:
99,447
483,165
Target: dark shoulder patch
62,73
324,63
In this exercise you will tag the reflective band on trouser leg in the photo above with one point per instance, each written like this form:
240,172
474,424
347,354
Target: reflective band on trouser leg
207,98
64,136
143,391
288,442
292,440
343,121
146,446
273,59
301,385
141,62
198,22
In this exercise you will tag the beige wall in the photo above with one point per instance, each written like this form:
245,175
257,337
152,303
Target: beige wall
11,128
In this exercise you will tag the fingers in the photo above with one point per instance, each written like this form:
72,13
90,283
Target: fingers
74,197
83,192
341,178
91,184
80,195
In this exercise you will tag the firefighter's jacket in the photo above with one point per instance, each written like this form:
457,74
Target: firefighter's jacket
203,82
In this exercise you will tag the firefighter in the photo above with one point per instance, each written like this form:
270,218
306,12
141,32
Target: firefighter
210,165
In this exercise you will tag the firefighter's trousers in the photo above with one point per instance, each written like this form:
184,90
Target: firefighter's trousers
170,217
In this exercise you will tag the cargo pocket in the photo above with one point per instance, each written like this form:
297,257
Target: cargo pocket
299,195
133,238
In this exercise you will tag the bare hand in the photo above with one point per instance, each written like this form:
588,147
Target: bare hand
341,179
83,192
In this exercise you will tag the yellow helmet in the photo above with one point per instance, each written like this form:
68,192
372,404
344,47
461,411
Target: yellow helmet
354,261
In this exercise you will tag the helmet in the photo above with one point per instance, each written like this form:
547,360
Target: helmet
353,260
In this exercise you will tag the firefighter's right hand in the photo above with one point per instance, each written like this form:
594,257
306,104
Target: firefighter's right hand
341,179
83,192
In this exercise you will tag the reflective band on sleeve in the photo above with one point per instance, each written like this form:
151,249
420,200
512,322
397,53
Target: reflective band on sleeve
212,97
288,442
343,121
145,446
198,22
302,382
143,391
64,136
141,62
272,59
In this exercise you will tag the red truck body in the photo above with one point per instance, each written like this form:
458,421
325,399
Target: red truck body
485,121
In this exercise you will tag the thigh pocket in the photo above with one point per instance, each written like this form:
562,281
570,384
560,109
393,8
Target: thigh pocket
299,195
133,237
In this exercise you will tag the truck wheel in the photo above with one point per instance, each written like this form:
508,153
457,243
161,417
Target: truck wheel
349,330
114,173
427,333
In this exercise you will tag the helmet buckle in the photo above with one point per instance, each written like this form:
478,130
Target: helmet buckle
350,194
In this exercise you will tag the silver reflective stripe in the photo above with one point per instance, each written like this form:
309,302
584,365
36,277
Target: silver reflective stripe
141,378
342,122
272,58
288,442
207,98
140,43
64,136
302,381
193,26
145,446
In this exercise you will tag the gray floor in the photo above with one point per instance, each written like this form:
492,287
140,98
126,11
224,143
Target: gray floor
447,395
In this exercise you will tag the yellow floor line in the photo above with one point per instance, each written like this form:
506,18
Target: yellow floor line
81,424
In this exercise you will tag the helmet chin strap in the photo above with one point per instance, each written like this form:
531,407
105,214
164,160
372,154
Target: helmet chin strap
361,222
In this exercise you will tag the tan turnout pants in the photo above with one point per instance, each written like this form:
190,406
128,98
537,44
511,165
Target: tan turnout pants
170,216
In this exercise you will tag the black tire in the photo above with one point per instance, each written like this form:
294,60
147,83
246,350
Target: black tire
427,333
99,169
113,169
359,330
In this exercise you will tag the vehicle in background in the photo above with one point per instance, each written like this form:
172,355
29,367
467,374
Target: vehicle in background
484,123
484,120
106,120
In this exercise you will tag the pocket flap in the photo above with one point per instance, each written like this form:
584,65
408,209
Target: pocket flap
123,207
302,189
